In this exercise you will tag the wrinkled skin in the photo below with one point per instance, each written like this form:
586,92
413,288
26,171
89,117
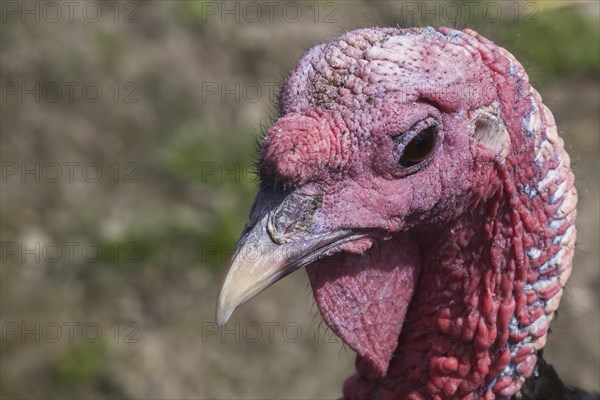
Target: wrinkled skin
444,274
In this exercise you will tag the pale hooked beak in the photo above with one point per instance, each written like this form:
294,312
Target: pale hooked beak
278,244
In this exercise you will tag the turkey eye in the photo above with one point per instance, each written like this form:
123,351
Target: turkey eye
419,147
415,147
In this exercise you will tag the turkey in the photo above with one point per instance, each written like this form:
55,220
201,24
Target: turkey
420,180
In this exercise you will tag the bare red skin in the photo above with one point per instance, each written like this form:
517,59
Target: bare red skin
454,294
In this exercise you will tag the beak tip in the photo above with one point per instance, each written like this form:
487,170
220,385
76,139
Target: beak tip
222,316
221,320
223,313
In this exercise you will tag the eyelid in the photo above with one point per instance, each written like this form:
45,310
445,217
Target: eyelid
405,137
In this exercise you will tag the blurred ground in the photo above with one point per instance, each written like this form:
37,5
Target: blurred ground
127,140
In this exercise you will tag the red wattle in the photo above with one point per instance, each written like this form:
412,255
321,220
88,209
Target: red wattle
363,298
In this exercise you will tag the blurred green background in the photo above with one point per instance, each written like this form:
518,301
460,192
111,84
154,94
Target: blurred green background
108,282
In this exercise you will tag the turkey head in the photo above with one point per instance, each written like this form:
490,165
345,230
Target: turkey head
418,177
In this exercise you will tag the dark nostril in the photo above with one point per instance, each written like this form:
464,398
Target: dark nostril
289,229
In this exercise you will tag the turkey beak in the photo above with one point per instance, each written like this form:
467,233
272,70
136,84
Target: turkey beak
277,244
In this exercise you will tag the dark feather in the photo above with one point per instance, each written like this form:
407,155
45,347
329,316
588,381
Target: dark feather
545,384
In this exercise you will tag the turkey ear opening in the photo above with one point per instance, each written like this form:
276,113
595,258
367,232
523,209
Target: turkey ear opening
489,132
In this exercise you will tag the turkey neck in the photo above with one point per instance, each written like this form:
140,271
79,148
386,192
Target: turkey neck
489,284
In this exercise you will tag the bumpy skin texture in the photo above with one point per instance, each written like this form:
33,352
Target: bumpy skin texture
452,294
